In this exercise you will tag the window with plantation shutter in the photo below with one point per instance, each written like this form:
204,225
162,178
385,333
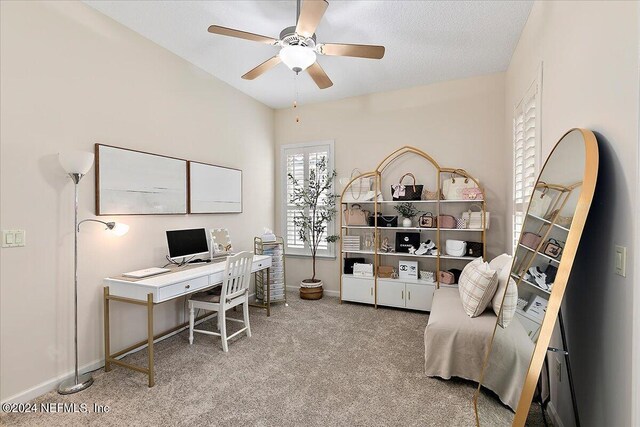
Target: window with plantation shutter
299,160
526,157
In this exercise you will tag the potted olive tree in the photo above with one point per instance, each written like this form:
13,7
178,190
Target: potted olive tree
316,202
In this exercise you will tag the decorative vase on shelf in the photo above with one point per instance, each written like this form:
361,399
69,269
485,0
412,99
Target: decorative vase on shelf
406,222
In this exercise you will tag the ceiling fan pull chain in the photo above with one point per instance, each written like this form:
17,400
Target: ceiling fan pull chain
295,96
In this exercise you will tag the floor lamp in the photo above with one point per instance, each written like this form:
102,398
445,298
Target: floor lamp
77,164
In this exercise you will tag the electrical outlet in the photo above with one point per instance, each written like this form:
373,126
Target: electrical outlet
558,370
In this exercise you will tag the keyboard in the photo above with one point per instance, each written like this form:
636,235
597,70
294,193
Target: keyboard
139,274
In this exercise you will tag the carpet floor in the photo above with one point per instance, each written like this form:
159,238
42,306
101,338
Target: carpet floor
313,363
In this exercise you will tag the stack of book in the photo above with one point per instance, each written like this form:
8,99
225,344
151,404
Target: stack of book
351,243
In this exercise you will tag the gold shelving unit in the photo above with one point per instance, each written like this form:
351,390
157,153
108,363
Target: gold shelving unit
377,176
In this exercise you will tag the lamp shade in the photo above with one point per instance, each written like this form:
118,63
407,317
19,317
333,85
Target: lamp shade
119,229
297,58
75,161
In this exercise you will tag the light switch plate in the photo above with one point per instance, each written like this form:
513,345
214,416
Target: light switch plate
13,238
621,261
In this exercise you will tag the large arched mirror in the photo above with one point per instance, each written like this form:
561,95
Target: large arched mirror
539,272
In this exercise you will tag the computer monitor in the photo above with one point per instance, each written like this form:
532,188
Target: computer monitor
187,243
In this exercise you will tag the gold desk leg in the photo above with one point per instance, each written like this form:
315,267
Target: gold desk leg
107,337
150,338
268,292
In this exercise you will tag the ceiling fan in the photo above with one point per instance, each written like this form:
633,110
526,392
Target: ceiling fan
298,45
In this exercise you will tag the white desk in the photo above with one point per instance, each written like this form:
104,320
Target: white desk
158,289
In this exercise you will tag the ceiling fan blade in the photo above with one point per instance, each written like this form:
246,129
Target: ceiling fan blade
262,68
224,31
357,50
311,13
319,76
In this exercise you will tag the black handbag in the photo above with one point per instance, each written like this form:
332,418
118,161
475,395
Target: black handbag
551,271
456,274
348,264
384,220
475,249
405,240
411,191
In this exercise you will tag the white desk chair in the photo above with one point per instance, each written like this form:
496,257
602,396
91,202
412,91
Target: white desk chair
235,291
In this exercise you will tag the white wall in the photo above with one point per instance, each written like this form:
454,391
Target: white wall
590,80
71,77
459,123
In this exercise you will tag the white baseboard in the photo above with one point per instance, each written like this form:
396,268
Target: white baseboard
52,384
553,414
325,291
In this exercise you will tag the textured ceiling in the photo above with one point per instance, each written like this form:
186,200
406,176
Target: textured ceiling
426,41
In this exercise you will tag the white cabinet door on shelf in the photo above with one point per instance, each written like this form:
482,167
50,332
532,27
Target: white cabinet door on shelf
391,293
357,289
419,297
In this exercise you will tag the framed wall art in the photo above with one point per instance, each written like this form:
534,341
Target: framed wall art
214,189
130,182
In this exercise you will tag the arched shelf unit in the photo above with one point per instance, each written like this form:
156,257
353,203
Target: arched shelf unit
411,293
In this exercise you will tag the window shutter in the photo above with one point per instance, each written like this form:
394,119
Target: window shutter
525,156
300,160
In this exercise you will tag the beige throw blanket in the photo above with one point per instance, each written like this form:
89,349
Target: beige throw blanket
456,345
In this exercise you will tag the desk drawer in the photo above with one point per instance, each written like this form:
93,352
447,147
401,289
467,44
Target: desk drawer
182,288
258,265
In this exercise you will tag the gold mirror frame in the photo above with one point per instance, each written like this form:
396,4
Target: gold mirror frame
560,283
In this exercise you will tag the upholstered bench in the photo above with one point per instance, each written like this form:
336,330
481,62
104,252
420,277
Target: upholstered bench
456,345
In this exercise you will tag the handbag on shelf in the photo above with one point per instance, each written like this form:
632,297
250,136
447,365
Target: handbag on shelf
355,215
427,220
432,195
461,224
447,221
405,241
552,248
475,249
446,277
540,201
472,194
474,219
563,221
551,271
349,263
386,271
400,191
455,247
453,187
456,274
361,269
530,240
384,220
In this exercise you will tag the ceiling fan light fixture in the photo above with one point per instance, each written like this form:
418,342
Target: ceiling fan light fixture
297,58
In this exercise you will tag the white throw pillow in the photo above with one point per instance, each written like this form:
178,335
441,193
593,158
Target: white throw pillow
509,304
500,261
477,285
502,264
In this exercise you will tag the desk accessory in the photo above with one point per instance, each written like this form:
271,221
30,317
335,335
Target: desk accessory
77,164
